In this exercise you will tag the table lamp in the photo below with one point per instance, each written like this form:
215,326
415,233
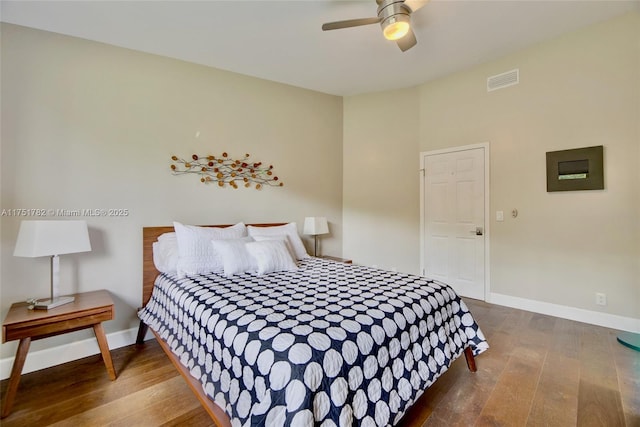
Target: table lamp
315,225
52,238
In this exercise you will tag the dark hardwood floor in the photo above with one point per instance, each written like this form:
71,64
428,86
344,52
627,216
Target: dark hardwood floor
539,371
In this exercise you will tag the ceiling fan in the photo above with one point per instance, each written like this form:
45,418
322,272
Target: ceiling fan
394,18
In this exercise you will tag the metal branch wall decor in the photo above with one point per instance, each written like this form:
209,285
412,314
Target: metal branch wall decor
224,170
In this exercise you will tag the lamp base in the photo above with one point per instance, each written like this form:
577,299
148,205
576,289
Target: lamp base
52,303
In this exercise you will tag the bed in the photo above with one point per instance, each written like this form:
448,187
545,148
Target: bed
326,343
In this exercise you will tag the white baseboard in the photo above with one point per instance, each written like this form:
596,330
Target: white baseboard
572,313
48,357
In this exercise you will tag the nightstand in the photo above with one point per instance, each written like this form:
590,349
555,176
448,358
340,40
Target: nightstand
338,259
88,310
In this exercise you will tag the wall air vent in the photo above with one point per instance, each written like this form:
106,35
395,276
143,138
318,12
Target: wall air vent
500,81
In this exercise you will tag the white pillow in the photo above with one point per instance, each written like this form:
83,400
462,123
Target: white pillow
167,236
195,252
282,237
270,256
235,256
165,253
290,230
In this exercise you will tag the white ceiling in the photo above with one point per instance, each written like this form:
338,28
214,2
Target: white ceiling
282,40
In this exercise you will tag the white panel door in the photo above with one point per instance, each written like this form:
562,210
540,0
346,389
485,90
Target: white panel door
454,220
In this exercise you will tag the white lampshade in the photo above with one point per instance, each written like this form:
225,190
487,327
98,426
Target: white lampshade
48,238
52,238
315,225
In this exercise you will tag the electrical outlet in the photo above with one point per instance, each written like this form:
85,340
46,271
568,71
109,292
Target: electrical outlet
601,299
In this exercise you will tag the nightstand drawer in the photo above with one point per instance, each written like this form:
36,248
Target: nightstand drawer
42,329
88,308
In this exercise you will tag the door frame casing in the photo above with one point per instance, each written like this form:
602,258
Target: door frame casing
487,210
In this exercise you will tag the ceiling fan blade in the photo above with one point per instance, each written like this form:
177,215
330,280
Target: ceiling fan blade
415,4
349,23
408,41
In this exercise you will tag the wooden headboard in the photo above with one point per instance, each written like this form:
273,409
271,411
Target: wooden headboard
150,235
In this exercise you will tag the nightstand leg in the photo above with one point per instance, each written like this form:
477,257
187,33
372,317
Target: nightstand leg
16,371
104,349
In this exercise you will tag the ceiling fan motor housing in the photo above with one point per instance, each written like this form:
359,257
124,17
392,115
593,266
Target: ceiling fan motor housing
391,12
389,8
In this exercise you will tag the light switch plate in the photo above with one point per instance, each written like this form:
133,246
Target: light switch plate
499,216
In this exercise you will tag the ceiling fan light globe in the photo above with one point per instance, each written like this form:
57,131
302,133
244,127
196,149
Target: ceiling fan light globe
396,30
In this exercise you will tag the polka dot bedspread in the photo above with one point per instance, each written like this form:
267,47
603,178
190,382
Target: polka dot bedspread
329,344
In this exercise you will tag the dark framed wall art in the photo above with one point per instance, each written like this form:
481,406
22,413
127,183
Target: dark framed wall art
576,169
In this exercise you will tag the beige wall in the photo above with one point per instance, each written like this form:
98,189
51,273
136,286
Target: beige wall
381,204
86,125
582,89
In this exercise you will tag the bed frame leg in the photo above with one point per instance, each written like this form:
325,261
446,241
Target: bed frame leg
471,361
142,331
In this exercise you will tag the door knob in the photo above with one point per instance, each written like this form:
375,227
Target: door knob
479,231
